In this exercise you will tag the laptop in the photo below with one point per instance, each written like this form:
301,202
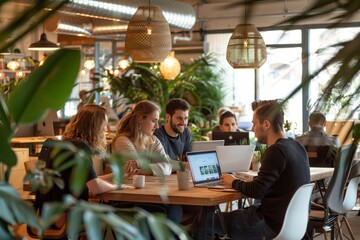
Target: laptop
204,167
232,138
206,145
235,158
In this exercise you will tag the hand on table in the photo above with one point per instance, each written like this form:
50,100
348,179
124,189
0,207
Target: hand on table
130,169
227,179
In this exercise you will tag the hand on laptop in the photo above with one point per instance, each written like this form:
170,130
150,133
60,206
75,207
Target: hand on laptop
227,179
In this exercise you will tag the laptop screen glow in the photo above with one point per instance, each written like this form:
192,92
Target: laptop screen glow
204,166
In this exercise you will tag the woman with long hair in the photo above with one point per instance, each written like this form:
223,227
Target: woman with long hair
135,135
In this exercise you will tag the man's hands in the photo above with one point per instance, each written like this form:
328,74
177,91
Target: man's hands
227,179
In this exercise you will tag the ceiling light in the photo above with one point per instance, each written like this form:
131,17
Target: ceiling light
170,67
89,63
123,63
43,44
13,64
246,47
148,36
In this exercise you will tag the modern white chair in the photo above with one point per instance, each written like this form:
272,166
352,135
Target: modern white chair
297,214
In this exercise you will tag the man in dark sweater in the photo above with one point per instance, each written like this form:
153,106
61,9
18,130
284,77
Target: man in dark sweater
174,135
284,169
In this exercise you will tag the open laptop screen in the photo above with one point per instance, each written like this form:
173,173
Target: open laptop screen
204,166
232,138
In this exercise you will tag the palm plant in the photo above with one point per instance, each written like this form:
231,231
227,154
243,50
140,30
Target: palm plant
198,83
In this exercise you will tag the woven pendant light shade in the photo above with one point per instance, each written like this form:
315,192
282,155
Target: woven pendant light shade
148,36
246,47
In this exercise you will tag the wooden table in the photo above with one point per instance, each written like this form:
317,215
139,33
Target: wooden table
168,192
34,139
33,143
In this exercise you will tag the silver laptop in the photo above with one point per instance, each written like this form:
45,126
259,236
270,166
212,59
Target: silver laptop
205,168
206,145
235,158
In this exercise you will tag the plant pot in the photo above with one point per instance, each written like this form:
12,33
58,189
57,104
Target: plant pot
183,180
255,166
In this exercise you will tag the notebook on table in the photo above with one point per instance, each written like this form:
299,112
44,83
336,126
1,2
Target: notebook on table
206,145
205,168
235,158
232,138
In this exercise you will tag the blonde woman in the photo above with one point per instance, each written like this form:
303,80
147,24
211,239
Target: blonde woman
135,135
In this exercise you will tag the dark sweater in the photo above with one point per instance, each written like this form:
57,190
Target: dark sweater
56,193
284,169
174,146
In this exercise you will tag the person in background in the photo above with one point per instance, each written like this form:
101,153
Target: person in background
83,99
284,169
174,135
317,136
135,135
86,131
228,123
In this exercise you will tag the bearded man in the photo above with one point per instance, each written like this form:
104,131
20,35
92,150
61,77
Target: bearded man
175,135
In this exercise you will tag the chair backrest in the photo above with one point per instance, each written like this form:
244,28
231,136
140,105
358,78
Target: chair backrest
297,214
321,156
334,194
351,190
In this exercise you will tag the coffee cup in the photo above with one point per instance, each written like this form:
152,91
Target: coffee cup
139,181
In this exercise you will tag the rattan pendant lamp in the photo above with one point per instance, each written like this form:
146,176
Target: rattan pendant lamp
148,36
246,47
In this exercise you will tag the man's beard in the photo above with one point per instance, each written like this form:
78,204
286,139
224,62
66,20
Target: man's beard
175,128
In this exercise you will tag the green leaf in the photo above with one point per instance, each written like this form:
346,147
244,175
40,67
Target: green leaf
80,172
93,225
41,90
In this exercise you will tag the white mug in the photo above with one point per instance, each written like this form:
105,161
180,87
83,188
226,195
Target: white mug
139,181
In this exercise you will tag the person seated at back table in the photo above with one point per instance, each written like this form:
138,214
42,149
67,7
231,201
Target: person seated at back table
135,135
86,130
227,123
174,135
284,169
317,136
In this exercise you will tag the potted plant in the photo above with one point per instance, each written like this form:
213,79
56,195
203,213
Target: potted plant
183,175
258,157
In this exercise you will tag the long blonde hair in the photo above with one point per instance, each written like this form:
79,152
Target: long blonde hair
129,125
87,125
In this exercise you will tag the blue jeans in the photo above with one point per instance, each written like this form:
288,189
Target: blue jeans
242,224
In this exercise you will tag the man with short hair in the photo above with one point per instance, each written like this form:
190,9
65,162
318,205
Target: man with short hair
174,135
317,136
284,169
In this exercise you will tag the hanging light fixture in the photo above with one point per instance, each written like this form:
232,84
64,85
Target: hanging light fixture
148,36
89,63
170,67
123,63
43,44
246,47
13,64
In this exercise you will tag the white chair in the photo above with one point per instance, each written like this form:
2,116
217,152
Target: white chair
297,214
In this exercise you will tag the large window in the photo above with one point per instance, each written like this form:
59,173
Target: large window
320,52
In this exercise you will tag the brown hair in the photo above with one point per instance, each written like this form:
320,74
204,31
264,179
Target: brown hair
129,125
86,125
176,104
273,112
317,118
227,114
